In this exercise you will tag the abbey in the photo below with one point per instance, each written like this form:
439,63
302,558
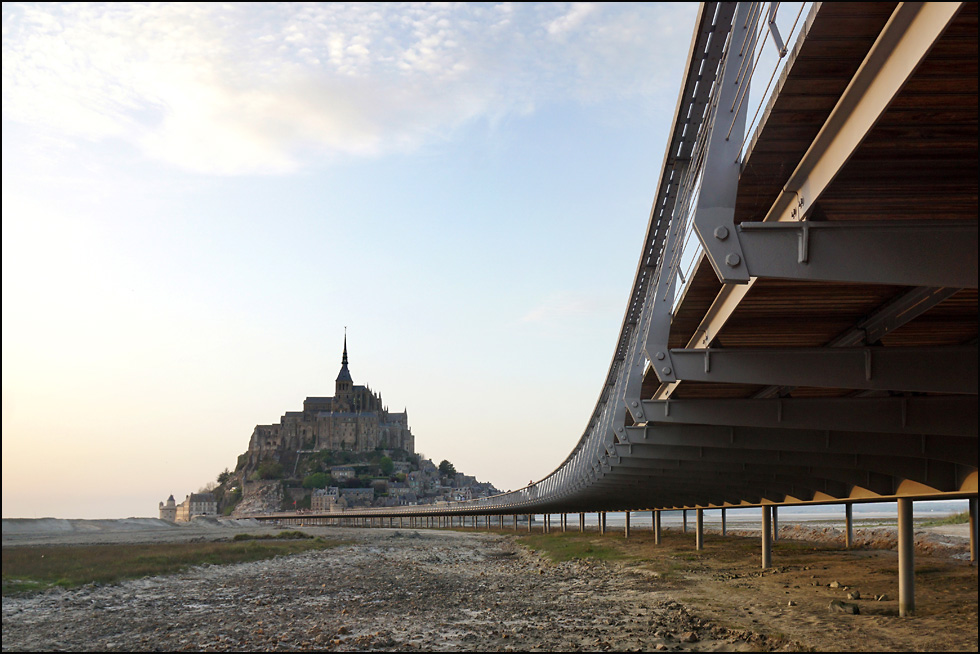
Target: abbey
354,420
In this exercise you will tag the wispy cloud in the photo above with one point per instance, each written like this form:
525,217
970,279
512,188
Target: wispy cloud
244,88
571,20
563,306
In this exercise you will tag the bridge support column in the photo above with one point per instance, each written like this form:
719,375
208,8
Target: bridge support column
658,533
973,530
684,518
626,533
724,526
515,522
529,516
775,524
581,522
848,525
906,559
766,538
699,530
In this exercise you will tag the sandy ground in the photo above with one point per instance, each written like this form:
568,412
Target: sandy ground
402,589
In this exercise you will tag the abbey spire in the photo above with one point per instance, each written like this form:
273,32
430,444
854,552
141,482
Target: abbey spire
344,384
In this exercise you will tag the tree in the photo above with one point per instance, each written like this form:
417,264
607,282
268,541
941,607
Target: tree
387,465
224,476
269,470
317,480
446,469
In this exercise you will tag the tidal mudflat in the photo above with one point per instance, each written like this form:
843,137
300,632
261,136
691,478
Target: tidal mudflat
407,589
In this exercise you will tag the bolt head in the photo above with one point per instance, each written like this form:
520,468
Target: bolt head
733,260
635,404
665,370
721,232
660,356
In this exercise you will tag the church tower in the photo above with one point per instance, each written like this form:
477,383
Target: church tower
344,385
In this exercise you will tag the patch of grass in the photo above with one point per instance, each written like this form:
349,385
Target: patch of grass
283,535
567,547
955,519
31,569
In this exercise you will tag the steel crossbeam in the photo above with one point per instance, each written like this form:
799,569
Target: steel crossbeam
954,449
954,415
899,253
912,369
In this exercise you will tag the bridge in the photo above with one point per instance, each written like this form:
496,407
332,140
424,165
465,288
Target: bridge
802,325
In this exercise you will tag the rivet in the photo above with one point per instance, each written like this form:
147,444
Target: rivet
635,404
665,370
733,259
721,232
639,414
660,356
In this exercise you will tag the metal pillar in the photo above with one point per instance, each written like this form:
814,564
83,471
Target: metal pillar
973,530
529,523
627,532
515,522
699,533
684,512
848,525
906,559
657,531
564,522
775,524
581,522
724,525
766,538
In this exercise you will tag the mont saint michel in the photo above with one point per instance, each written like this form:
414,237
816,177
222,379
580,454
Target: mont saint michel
347,450
355,419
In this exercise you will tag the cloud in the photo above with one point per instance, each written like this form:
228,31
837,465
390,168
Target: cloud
246,88
570,21
564,306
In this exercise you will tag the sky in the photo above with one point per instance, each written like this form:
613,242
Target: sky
199,199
